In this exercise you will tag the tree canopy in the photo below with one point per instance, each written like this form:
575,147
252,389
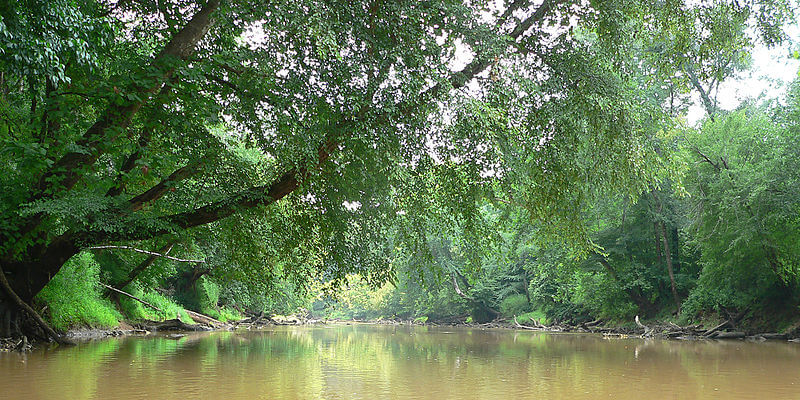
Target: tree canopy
291,138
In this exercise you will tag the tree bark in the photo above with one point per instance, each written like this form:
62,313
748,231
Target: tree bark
662,232
668,257
23,305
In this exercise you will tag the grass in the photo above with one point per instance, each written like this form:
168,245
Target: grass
73,298
224,314
135,310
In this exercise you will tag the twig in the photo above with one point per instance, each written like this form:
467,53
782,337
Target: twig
152,253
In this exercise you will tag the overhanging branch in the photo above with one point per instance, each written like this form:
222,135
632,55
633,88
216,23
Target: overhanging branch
152,253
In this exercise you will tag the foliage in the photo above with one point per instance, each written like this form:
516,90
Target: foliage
302,149
138,311
514,305
73,297
746,203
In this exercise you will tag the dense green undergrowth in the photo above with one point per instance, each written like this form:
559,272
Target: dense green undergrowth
75,299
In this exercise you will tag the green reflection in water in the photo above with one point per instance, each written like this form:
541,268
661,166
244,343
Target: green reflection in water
358,361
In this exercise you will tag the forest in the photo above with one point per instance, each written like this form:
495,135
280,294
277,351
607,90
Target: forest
437,161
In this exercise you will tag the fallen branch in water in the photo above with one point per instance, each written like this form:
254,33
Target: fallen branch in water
152,253
172,325
716,328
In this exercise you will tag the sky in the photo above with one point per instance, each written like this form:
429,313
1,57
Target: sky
772,69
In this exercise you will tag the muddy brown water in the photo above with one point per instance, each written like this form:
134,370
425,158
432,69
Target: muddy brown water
402,362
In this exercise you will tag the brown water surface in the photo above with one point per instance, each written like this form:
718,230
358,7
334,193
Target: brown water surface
401,362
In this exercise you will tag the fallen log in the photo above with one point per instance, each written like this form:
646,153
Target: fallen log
772,336
172,325
713,330
729,335
205,319
525,326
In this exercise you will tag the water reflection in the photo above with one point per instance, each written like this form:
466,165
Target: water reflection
368,362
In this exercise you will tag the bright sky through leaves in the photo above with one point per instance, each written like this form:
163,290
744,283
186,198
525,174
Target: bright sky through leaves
772,69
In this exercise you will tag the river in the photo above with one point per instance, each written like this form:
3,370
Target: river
402,362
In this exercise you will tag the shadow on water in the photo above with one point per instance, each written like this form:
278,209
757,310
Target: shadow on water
368,362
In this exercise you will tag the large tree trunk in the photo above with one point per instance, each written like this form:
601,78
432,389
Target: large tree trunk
668,257
28,273
661,231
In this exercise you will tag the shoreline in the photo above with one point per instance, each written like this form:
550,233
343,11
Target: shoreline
176,328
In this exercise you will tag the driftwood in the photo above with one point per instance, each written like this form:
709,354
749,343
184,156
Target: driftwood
728,335
672,330
205,319
172,324
536,326
647,330
772,336
533,328
254,320
713,330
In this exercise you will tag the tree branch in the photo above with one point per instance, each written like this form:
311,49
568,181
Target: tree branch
289,181
159,190
695,81
706,158
152,253
115,290
67,171
143,142
134,273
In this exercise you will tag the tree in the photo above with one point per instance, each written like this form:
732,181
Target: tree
745,207
160,117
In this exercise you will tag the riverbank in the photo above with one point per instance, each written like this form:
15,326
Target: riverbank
728,329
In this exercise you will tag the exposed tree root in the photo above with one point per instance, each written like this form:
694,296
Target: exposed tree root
48,330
